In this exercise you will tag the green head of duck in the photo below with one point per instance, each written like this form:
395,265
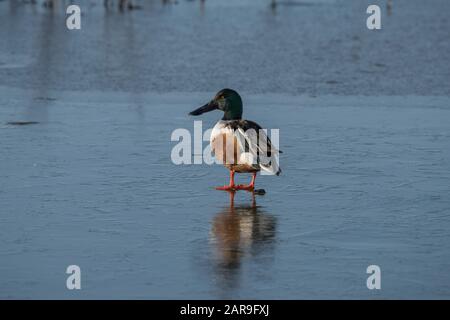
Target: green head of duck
226,100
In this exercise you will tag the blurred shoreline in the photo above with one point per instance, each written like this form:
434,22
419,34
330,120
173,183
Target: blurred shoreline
300,48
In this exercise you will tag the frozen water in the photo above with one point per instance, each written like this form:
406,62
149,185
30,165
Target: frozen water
365,134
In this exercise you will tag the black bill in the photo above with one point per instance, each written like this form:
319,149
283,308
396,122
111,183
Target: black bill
210,106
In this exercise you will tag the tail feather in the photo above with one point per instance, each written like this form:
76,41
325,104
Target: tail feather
272,167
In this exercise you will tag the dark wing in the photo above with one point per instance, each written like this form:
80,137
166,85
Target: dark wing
253,138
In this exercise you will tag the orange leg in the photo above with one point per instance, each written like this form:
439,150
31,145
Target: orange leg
231,186
249,187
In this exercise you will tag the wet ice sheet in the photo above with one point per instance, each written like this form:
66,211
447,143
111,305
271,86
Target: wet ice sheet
365,181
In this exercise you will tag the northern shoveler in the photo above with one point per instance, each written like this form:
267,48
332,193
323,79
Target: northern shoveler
241,145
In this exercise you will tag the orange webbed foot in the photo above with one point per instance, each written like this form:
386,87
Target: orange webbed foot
226,188
246,187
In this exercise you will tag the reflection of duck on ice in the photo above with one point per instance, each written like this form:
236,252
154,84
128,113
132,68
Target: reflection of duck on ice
236,231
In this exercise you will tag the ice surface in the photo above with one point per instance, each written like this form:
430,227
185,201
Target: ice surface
364,128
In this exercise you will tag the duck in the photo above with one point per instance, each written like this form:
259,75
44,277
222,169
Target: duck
242,146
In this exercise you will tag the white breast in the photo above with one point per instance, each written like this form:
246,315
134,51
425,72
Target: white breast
218,129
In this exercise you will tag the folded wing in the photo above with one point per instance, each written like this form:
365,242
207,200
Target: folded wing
256,145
